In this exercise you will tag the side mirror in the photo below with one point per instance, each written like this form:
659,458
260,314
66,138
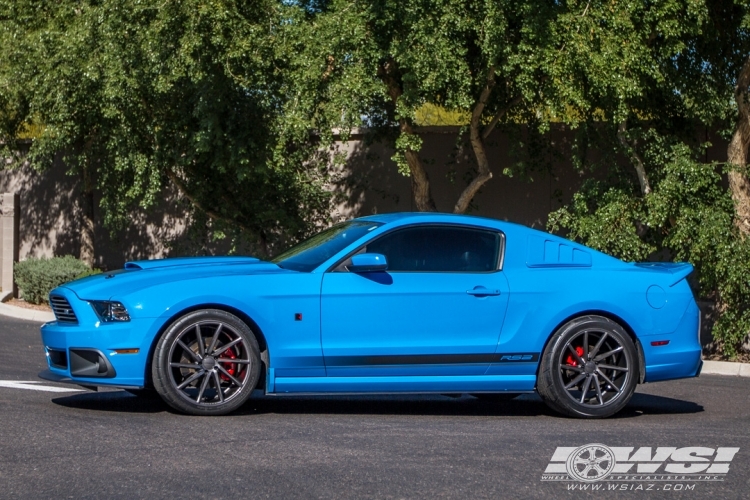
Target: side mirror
368,263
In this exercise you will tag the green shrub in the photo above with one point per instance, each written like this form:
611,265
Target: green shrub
37,277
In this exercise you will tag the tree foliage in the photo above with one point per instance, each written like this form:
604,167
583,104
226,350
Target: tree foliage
141,94
662,200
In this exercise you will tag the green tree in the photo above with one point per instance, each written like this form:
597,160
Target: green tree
481,60
138,95
499,62
661,199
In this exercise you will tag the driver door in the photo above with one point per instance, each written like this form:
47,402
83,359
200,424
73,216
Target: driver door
437,310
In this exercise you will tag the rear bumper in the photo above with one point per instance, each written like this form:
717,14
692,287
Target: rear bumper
681,358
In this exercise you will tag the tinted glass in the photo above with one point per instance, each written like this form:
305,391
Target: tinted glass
439,249
312,252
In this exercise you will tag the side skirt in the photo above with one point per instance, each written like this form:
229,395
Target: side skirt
407,384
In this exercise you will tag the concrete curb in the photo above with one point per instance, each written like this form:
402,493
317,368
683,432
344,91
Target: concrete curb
22,313
726,368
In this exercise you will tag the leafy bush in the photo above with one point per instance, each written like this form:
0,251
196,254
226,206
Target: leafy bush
37,277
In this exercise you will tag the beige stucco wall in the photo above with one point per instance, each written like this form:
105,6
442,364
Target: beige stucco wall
49,208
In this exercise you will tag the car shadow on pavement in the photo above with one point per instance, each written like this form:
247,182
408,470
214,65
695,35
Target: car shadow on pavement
463,405
650,404
115,401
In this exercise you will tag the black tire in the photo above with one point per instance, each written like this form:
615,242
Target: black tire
495,397
206,363
589,368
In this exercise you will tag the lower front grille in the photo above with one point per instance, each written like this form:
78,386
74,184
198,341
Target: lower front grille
58,358
61,307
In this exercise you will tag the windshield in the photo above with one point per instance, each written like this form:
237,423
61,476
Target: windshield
312,252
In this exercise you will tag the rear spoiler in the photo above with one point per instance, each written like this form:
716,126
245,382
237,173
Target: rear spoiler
678,270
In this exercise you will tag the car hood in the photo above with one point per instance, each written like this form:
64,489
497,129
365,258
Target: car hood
145,273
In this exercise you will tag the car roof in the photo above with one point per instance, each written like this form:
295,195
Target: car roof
437,217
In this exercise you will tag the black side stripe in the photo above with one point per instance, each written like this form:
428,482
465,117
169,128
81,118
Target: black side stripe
432,359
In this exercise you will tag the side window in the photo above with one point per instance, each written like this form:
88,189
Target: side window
439,249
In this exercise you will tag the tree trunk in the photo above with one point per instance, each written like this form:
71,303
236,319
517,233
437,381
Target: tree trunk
420,182
480,153
476,137
87,254
737,152
640,169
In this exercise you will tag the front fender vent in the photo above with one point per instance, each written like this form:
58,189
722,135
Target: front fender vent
61,307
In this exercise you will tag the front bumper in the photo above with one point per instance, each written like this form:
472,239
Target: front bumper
56,377
86,353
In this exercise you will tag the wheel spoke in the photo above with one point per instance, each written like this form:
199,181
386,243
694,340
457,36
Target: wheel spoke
230,360
606,379
203,387
217,383
575,354
231,377
599,469
608,354
571,367
598,389
223,348
585,388
575,381
613,367
598,345
188,380
215,338
189,366
189,351
201,347
586,345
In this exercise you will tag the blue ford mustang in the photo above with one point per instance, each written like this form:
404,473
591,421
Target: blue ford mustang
397,303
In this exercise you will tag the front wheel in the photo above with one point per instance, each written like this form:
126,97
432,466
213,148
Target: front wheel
589,368
206,363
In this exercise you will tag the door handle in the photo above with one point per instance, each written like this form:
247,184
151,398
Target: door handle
480,291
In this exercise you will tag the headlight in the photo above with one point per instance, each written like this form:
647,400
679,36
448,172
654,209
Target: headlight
110,311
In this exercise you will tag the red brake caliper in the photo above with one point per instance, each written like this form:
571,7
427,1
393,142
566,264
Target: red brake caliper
571,361
232,367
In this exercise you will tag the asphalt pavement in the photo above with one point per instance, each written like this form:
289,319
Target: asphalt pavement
115,445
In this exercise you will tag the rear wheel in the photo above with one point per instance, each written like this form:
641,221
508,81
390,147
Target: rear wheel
206,363
589,368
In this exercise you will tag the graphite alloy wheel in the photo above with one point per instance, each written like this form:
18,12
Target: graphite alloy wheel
589,368
206,363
